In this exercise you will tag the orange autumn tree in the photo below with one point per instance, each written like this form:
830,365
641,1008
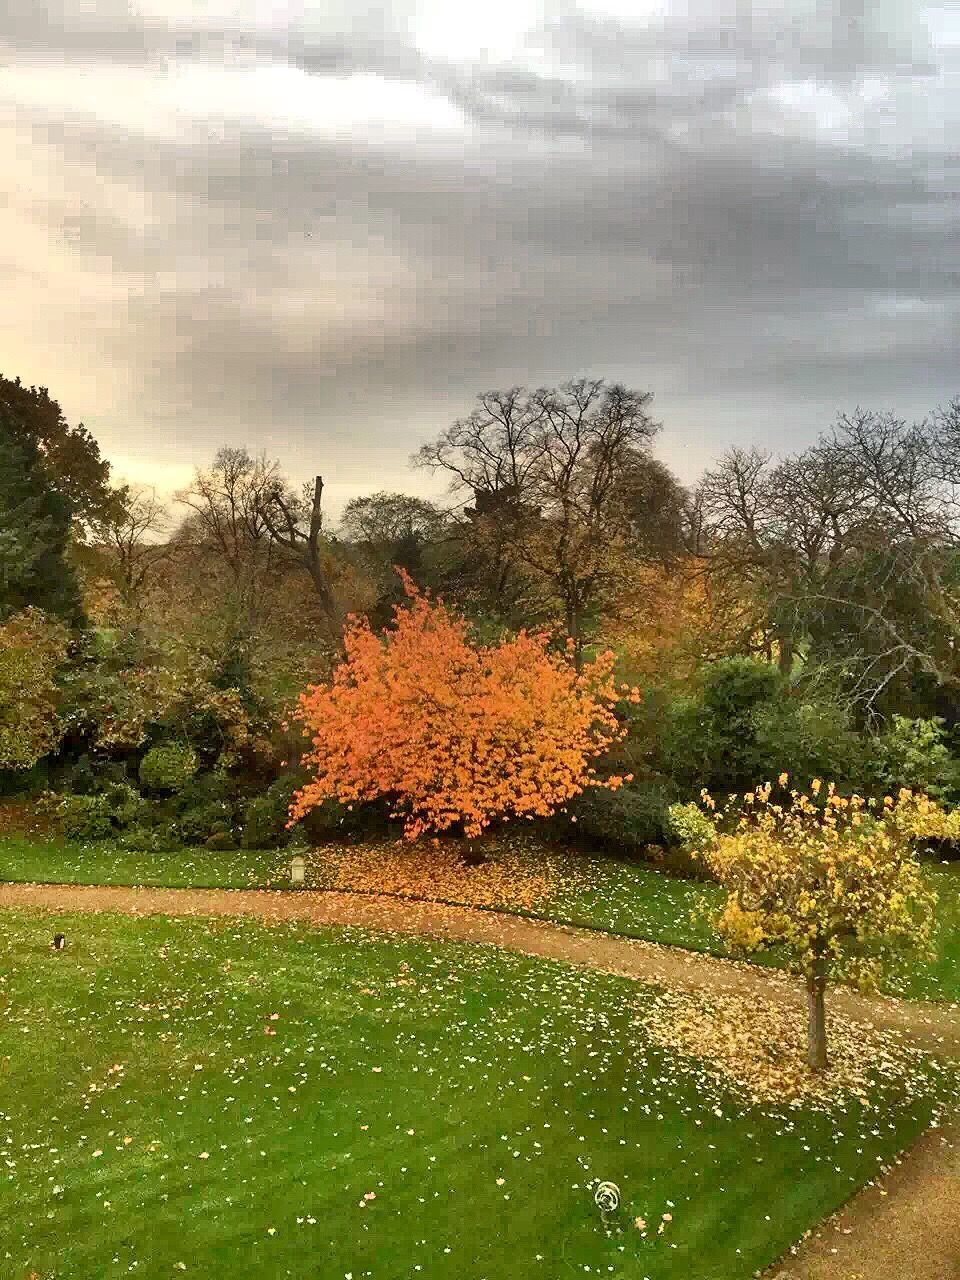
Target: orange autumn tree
454,734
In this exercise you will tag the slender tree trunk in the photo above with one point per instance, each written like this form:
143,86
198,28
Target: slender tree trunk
785,656
474,856
573,631
816,1018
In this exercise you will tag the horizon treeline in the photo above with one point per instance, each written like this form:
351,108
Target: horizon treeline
804,605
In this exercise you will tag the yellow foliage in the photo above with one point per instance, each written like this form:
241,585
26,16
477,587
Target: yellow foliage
671,620
832,879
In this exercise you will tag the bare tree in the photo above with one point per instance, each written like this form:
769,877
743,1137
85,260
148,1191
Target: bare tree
134,533
245,509
227,502
900,598
226,519
902,467
944,436
733,506
548,466
297,525
849,546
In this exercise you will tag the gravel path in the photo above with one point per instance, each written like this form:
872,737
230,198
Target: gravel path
934,1026
907,1228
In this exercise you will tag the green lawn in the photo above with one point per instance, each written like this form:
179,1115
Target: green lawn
220,1098
50,859
596,890
938,979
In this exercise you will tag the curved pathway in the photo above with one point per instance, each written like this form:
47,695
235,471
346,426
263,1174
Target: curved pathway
907,1228
933,1026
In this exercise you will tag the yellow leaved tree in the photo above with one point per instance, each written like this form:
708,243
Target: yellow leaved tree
832,880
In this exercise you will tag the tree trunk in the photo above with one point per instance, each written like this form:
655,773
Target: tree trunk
816,1019
573,631
473,857
785,656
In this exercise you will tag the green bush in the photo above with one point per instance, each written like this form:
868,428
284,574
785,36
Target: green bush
689,827
220,840
710,738
745,724
149,839
25,783
81,778
810,737
126,805
731,689
914,754
84,818
265,817
213,787
196,825
168,767
629,818
334,821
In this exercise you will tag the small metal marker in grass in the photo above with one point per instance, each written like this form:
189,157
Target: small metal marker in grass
298,866
607,1197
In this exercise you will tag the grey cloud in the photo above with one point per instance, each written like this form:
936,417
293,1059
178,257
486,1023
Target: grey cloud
837,40
109,30
636,221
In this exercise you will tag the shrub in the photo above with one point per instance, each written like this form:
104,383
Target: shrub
220,840
335,821
689,826
125,804
196,825
84,818
630,818
168,767
110,700
25,783
745,722
914,754
80,778
32,649
148,839
710,736
213,787
110,773
265,817
683,745
733,688
808,737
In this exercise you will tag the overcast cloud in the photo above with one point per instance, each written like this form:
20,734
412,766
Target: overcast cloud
322,229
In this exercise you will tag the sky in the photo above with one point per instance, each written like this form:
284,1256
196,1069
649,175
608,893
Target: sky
321,230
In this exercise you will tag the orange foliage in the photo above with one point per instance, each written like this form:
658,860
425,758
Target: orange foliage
454,733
